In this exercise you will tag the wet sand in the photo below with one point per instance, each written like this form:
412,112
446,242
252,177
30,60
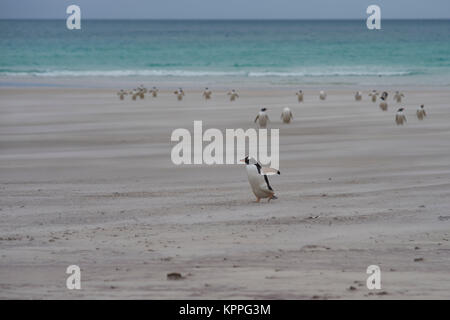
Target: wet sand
87,179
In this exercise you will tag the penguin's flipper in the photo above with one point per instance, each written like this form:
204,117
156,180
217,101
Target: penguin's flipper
269,171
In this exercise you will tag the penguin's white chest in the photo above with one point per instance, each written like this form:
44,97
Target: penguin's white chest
262,121
286,116
257,182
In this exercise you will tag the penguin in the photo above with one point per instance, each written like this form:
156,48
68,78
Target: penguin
259,182
233,95
322,95
421,112
122,93
398,96
142,88
141,91
299,95
179,93
358,96
134,93
286,115
262,118
373,95
383,103
207,94
154,92
400,117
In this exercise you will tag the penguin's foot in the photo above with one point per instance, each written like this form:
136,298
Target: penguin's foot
274,197
257,200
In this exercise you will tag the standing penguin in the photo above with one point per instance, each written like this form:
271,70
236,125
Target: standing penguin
400,117
358,95
286,115
259,182
383,103
421,112
154,92
141,91
207,94
373,95
134,94
179,93
122,93
233,95
262,118
299,95
322,95
398,96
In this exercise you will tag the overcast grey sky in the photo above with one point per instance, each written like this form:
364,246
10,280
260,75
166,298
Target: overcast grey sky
224,9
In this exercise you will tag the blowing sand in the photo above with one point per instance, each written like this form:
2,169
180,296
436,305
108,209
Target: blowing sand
87,179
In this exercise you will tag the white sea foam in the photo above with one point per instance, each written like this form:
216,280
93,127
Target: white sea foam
319,72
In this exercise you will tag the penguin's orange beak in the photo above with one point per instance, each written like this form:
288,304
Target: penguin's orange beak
242,160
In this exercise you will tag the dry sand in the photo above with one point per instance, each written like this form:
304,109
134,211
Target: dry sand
87,179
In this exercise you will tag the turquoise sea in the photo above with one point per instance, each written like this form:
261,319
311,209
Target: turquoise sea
315,50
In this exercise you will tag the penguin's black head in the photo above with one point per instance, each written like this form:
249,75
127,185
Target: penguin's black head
246,160
206,88
401,109
264,109
422,106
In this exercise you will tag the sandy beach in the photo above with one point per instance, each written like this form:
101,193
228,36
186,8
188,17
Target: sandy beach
87,179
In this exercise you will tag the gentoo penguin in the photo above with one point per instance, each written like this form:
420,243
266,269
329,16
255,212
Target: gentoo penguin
300,96
122,93
207,94
134,94
358,95
257,177
383,103
398,96
421,112
262,118
373,95
400,117
179,93
286,115
154,92
141,92
142,88
233,95
322,95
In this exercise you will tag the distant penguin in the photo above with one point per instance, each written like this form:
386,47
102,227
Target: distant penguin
141,92
373,95
207,94
383,103
122,93
262,118
179,93
286,115
398,96
259,182
358,95
421,112
233,95
299,95
134,94
322,95
400,117
142,88
154,92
